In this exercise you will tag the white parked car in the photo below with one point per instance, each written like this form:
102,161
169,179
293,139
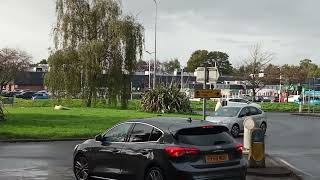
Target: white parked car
293,98
233,116
237,102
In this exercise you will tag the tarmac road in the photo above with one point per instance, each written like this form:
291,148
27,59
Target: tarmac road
294,139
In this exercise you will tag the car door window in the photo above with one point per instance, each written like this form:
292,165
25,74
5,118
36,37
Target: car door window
118,133
243,101
253,111
259,111
155,135
245,112
141,133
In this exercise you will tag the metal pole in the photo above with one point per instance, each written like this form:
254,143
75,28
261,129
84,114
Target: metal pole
205,87
314,92
280,89
309,96
181,78
155,45
131,91
150,53
149,74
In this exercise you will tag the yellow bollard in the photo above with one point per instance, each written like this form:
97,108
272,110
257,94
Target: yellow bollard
257,149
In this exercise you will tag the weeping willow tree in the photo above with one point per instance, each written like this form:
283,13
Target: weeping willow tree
107,45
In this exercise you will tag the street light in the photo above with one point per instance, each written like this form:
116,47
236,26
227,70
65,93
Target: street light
280,85
150,53
155,44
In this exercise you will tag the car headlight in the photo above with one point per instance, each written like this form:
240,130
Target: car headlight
225,122
76,147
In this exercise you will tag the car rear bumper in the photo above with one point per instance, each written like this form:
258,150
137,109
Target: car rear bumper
231,172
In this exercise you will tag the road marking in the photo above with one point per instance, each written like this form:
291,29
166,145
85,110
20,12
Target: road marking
294,168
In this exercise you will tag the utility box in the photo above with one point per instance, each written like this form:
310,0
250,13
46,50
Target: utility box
257,149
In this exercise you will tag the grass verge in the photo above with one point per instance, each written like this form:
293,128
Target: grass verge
46,123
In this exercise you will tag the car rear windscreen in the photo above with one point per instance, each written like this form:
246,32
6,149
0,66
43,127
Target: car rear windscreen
204,136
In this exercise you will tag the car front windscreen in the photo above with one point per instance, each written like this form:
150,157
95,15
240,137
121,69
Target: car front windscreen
228,111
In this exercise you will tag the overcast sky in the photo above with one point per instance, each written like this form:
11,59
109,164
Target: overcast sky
288,28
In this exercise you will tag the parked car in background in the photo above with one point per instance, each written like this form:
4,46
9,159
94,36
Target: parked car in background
267,98
25,95
43,91
315,101
238,102
9,93
275,99
40,96
293,98
161,149
233,116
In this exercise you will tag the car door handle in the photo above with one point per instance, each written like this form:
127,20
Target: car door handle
145,151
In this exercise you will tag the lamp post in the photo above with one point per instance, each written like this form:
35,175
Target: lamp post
182,70
155,44
280,84
150,53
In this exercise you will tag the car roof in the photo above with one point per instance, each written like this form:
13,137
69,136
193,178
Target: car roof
171,124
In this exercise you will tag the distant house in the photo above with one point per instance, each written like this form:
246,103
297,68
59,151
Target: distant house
32,81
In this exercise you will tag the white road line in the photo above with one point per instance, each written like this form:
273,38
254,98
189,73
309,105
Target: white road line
294,168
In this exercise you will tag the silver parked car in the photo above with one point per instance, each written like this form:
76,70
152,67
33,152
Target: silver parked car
233,117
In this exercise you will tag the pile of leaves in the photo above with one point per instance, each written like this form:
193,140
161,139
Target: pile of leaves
165,99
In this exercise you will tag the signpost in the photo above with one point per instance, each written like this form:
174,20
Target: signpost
207,74
207,93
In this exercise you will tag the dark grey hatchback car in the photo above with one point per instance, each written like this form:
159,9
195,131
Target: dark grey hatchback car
161,149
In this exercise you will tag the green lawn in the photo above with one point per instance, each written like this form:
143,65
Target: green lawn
46,123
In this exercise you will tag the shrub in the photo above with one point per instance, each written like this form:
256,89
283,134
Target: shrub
165,100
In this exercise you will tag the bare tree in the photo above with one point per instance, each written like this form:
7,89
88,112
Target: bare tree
12,61
254,67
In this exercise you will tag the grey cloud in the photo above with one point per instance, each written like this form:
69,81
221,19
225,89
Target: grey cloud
289,28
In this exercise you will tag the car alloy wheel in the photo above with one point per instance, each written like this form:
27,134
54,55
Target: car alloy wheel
81,168
154,174
235,130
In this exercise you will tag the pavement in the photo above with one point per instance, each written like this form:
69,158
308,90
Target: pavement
307,114
292,141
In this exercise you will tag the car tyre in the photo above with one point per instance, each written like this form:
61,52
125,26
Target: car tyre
81,168
154,173
243,178
263,126
235,131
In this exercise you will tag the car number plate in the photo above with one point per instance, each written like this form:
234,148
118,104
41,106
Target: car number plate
216,158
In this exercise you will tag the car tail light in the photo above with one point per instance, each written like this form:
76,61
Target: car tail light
239,148
207,126
181,151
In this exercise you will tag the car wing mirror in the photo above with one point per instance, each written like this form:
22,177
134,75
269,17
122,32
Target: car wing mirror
99,137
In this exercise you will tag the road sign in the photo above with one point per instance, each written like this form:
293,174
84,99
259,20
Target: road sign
212,74
207,93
